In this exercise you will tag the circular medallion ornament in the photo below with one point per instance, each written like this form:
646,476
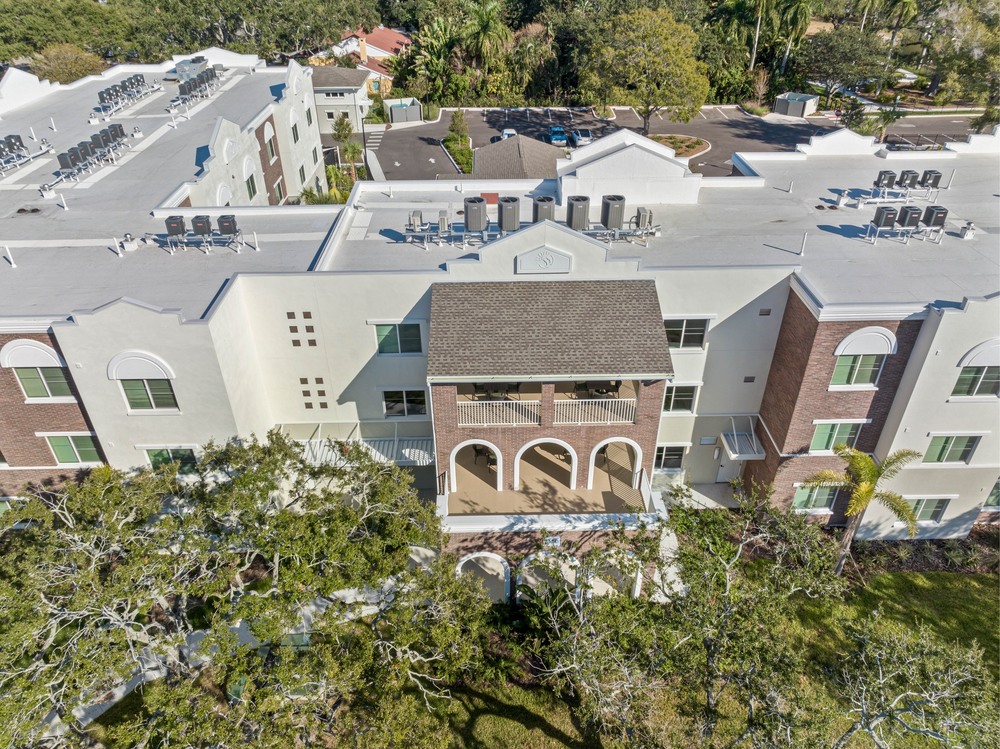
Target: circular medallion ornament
544,259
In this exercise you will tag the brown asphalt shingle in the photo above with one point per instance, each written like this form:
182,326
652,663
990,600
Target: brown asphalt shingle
546,328
519,157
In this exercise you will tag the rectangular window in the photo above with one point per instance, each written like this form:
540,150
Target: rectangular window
279,191
43,382
686,333
679,398
928,509
71,450
272,154
315,156
376,85
993,500
404,402
829,435
302,175
668,457
295,133
978,381
251,187
950,449
149,394
814,497
309,117
331,115
857,370
164,456
403,338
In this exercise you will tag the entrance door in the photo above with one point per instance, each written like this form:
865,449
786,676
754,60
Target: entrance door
729,469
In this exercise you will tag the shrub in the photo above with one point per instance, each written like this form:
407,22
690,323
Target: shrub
431,112
757,110
459,127
459,149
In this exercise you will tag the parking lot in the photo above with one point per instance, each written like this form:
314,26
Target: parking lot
415,153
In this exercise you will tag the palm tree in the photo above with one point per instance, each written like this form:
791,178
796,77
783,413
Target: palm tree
861,478
867,7
795,15
761,8
485,35
352,152
886,117
901,12
433,51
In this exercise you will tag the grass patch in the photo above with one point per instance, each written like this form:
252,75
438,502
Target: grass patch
683,145
460,151
757,110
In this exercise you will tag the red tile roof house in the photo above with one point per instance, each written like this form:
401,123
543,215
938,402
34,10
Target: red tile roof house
372,50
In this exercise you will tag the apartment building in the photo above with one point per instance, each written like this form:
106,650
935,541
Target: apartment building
547,356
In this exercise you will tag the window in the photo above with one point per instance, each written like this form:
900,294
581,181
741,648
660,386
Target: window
403,338
163,456
829,435
376,85
951,449
315,156
862,369
43,382
279,191
679,398
404,402
295,133
686,333
149,394
334,95
993,500
309,117
76,449
668,457
978,381
302,174
251,187
814,498
272,154
928,510
331,115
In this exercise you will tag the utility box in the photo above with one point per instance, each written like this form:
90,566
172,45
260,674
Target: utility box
796,105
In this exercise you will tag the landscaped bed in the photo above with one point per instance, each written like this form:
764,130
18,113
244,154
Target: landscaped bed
683,145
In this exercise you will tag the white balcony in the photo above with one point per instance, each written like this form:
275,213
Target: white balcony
595,411
499,413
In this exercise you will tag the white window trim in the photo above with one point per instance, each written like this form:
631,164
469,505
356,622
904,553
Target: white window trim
964,433
196,449
684,453
815,510
48,399
129,411
928,523
841,421
862,386
423,337
694,404
416,417
971,399
82,464
703,348
845,388
817,422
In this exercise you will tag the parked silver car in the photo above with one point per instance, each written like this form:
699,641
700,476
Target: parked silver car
580,137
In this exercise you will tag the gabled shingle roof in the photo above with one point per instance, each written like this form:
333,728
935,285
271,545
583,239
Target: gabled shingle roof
519,157
546,328
334,76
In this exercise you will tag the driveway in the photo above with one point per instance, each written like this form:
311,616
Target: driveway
413,153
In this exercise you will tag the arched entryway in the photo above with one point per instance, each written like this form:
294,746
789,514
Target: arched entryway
615,463
492,569
476,464
545,464
544,570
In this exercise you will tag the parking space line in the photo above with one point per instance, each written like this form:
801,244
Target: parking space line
721,112
702,115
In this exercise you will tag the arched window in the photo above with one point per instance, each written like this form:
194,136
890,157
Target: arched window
229,150
980,373
293,121
249,179
861,356
39,369
225,196
145,381
269,142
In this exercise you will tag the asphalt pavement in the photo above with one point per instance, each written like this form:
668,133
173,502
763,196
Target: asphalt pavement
415,153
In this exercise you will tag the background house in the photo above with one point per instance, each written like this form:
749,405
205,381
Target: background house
340,91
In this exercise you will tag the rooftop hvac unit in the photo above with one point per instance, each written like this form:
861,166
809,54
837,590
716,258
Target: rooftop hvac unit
14,143
931,179
886,179
613,211
227,225
935,215
105,136
578,212
3,149
64,162
74,156
117,131
77,156
543,208
443,224
86,149
102,96
908,178
175,226
201,225
475,214
509,213
96,141
644,218
909,217
416,220
885,217
184,89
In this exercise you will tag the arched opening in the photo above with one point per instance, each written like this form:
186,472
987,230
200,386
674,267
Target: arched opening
492,570
545,467
476,465
615,464
545,571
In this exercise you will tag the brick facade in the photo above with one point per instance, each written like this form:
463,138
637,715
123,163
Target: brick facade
19,421
582,437
272,172
797,392
515,546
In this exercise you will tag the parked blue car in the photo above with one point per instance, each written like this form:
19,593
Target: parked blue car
557,135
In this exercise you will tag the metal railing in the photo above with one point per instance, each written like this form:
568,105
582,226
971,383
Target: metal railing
647,491
499,413
597,411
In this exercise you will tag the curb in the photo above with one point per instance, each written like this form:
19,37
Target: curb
452,160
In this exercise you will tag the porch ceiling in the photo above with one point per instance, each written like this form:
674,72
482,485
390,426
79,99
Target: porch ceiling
523,329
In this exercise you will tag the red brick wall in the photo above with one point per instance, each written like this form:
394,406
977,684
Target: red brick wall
797,392
514,546
583,438
272,172
19,421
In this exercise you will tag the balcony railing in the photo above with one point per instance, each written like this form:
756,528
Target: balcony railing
499,413
599,411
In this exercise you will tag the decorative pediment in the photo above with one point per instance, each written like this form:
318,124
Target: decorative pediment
543,260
